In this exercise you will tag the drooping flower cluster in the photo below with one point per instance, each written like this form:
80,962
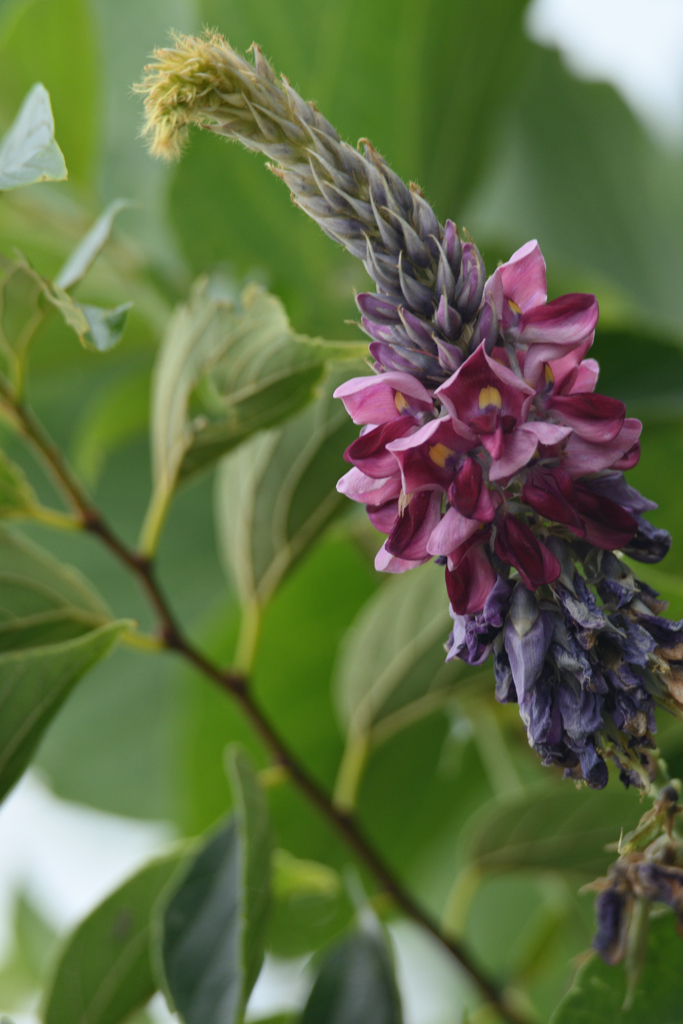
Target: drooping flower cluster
483,443
511,472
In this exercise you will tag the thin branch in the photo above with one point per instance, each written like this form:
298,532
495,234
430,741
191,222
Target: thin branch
235,684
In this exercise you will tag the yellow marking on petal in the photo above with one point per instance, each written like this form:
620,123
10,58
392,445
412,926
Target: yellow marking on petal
549,375
490,396
514,307
400,401
438,453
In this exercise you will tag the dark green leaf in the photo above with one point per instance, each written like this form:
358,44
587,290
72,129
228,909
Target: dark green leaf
276,494
105,970
355,983
212,943
599,990
29,152
552,828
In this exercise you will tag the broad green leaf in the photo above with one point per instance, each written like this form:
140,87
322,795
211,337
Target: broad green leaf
29,152
212,942
245,366
23,969
55,42
355,983
53,628
277,493
34,683
310,906
551,828
394,652
599,990
41,600
115,416
88,249
105,970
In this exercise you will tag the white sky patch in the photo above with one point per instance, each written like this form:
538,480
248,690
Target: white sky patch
636,45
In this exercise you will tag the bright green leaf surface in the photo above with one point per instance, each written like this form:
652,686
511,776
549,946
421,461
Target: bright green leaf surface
213,926
355,983
105,970
598,993
277,493
29,152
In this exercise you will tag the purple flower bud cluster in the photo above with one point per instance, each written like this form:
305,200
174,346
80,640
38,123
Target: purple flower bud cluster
650,868
510,472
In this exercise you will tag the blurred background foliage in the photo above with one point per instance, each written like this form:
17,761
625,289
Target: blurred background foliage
506,142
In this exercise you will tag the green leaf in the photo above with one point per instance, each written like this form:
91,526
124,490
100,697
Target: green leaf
34,683
17,497
310,906
29,152
245,366
23,970
394,652
105,971
277,493
213,927
355,983
55,41
87,250
53,628
599,990
551,828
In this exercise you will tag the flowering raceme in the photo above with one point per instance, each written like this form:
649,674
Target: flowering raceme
483,444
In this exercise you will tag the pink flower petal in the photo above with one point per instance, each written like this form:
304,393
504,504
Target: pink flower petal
596,418
582,457
523,277
384,562
423,456
373,399
453,530
384,516
365,489
519,447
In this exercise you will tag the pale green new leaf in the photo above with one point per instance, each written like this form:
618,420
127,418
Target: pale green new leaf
87,250
105,970
213,927
310,905
394,653
277,493
599,990
552,828
29,152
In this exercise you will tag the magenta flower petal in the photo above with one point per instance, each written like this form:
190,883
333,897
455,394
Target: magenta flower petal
523,277
470,579
520,446
551,492
359,487
369,452
384,516
482,380
425,457
383,397
586,378
414,525
606,524
553,329
519,547
596,418
565,370
385,562
452,531
469,495
582,457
